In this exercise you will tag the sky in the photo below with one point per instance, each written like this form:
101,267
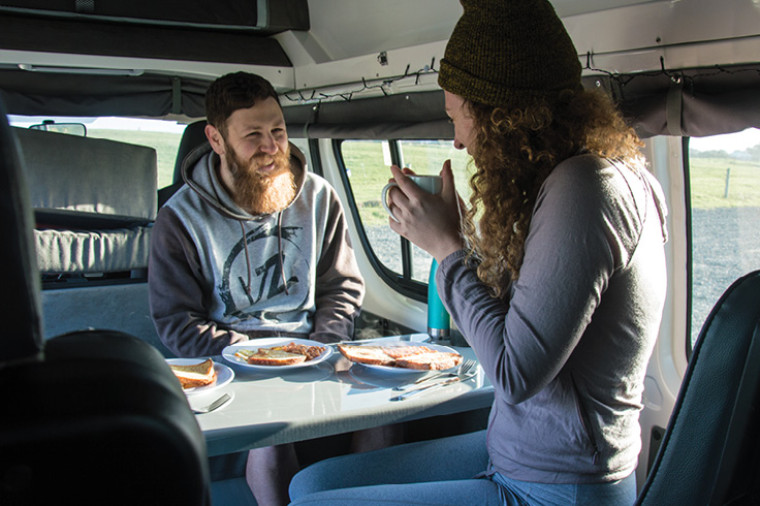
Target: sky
738,141
108,123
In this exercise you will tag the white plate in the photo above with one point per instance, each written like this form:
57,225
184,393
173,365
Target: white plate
396,370
229,352
224,374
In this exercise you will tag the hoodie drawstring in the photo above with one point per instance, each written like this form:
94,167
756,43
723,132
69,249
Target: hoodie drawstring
279,249
247,258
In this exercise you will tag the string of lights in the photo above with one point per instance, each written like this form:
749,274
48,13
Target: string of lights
685,78
365,87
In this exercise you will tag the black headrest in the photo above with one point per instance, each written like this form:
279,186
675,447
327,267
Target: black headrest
192,137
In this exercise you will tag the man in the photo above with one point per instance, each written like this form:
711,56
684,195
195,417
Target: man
252,246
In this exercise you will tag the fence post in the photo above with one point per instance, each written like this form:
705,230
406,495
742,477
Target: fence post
728,177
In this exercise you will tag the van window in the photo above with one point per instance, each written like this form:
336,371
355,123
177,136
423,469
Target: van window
366,163
724,180
162,135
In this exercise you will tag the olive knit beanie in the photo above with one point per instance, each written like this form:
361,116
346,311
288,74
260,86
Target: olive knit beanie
509,53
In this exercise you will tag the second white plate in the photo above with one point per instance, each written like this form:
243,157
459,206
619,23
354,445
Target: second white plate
403,370
229,353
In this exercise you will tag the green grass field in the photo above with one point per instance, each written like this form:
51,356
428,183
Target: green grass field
724,182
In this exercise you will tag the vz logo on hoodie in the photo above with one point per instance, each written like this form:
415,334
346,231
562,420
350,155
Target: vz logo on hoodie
264,281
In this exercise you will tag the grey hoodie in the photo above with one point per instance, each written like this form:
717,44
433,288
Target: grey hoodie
567,353
219,275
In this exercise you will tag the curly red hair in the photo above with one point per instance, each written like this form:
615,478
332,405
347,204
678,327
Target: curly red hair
514,152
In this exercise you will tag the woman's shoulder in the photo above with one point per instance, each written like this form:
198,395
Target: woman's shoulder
581,166
592,196
587,173
576,176
593,186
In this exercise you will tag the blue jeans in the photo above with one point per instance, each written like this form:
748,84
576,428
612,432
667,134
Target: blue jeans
438,472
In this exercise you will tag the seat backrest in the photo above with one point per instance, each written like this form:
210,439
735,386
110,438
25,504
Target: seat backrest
94,201
709,454
20,308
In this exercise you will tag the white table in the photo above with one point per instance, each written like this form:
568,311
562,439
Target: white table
323,400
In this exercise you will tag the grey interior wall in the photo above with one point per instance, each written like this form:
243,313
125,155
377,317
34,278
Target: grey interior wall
121,307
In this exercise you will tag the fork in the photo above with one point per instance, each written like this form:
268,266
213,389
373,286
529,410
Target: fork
464,368
470,373
221,401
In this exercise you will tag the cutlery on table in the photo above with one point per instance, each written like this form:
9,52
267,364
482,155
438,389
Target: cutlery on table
221,401
430,386
463,370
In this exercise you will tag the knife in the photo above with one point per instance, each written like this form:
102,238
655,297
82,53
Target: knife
438,384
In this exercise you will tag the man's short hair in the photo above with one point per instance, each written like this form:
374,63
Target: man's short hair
230,92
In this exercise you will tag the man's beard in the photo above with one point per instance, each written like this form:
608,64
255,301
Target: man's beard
261,193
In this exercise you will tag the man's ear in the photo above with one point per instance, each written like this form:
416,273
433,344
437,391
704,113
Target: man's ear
214,137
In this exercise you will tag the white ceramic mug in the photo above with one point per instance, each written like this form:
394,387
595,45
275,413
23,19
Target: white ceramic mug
431,184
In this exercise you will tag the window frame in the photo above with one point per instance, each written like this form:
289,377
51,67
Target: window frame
702,233
686,158
400,282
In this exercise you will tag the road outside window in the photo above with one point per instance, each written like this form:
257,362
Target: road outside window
724,177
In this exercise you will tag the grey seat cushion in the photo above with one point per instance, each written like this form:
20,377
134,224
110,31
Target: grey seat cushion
71,251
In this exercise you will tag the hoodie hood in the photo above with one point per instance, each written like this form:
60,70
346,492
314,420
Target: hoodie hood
199,171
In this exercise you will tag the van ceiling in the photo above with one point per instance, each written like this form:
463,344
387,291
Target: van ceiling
156,58
236,31
231,31
342,30
261,16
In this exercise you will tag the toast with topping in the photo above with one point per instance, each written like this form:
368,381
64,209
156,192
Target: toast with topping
271,356
406,357
311,352
373,355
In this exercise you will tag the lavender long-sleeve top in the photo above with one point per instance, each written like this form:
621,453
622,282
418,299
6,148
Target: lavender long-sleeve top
568,352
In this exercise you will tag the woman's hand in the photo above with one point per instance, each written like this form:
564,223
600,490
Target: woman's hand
432,222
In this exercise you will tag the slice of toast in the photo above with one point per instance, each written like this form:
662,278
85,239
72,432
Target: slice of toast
271,356
399,352
434,360
195,375
407,357
372,355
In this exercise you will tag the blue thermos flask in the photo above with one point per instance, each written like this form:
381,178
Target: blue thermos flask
439,321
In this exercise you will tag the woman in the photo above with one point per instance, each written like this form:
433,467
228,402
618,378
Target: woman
559,288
